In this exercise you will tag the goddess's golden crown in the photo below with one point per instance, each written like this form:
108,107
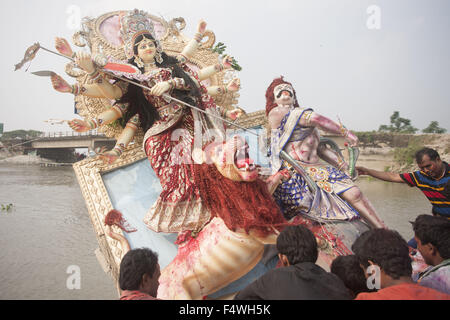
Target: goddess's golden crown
133,24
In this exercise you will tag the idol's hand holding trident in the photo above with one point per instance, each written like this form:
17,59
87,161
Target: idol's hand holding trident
63,47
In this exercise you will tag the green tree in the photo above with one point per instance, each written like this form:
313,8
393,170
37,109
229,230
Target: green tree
22,134
398,125
433,127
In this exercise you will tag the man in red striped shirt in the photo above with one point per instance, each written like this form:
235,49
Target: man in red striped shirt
433,179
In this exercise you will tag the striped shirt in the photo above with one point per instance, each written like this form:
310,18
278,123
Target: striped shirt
434,190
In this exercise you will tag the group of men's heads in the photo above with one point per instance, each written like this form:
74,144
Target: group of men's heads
387,250
382,248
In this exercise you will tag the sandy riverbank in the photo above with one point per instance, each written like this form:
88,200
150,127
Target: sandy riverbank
382,155
376,158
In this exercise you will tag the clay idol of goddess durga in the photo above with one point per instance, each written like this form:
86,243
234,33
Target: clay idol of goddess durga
179,206
213,204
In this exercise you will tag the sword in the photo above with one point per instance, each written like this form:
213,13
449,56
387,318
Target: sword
32,51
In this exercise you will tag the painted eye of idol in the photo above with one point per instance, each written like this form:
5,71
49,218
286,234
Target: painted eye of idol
146,44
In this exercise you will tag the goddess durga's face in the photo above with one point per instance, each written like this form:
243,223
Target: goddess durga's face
146,50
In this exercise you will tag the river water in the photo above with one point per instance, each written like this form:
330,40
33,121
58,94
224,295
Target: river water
48,232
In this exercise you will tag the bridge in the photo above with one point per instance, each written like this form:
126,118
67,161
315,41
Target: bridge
60,146
71,139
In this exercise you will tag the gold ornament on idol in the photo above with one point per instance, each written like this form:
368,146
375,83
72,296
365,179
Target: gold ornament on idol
133,24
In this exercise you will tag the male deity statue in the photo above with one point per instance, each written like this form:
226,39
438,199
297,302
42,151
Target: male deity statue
295,130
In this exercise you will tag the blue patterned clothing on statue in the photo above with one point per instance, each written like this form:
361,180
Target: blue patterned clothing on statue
294,196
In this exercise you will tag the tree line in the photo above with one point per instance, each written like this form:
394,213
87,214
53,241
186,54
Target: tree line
20,134
403,125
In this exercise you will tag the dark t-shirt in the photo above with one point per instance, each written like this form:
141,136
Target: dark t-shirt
303,281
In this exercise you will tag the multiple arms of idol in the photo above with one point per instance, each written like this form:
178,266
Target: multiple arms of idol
102,88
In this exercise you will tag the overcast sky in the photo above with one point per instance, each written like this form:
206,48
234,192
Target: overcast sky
345,58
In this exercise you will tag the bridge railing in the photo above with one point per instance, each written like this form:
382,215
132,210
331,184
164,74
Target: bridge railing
59,134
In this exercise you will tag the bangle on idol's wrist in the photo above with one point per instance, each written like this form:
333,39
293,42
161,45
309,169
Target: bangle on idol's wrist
178,83
95,76
308,115
198,37
93,123
119,148
118,151
171,83
75,89
344,131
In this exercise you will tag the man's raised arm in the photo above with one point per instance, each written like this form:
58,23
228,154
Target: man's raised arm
382,175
